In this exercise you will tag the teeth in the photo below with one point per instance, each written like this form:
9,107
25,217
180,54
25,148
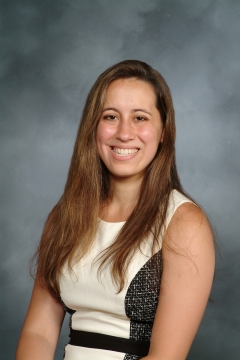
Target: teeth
124,152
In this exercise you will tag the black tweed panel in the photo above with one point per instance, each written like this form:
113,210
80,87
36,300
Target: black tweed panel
141,300
131,357
70,311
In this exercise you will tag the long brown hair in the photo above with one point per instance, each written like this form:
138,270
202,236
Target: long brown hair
71,226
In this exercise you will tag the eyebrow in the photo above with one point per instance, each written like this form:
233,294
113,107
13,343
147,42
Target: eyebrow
143,110
134,110
110,108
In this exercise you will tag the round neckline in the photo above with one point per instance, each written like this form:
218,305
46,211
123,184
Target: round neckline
112,223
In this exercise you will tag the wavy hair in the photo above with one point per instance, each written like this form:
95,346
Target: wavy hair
71,226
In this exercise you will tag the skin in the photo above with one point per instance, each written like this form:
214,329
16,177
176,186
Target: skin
129,120
41,328
188,263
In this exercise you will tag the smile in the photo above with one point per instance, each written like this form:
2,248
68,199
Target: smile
124,152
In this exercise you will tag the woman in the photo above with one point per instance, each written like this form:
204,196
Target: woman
124,251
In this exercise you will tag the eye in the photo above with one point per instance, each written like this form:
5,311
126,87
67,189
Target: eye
140,118
109,117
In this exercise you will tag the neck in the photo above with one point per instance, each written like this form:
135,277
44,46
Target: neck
125,196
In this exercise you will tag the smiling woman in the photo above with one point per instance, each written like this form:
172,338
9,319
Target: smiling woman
125,251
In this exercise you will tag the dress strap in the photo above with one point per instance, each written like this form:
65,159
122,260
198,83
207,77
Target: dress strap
108,342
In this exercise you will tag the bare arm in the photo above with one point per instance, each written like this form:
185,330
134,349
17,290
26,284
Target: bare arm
41,328
186,284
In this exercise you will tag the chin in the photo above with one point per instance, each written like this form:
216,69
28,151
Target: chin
127,175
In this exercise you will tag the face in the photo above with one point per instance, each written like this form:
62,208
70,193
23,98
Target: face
130,128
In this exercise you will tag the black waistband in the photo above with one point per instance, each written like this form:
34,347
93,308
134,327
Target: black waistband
107,342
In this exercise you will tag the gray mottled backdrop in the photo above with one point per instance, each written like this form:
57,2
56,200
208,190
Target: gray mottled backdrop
52,51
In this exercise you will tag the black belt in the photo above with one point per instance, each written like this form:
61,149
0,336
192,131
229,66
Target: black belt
107,342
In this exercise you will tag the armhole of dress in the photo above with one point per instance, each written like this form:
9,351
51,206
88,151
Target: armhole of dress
176,199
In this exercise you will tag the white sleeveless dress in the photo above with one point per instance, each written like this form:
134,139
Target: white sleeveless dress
96,307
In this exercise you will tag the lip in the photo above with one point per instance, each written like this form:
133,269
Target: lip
123,157
123,147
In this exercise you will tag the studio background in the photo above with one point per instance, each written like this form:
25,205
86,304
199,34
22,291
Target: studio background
51,53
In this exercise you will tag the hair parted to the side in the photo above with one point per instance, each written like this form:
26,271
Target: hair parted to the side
71,226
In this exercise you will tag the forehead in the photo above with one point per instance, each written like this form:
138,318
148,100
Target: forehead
131,90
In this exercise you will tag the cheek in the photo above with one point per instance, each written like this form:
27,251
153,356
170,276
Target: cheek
151,136
104,132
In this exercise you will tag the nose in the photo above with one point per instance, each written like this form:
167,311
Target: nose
125,130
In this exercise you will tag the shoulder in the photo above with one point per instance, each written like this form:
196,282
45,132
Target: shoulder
189,233
190,218
189,215
186,215
176,199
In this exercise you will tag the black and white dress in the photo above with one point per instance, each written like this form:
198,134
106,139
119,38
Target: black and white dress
96,307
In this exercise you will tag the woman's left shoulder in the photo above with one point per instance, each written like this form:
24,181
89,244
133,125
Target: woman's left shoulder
189,227
188,214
